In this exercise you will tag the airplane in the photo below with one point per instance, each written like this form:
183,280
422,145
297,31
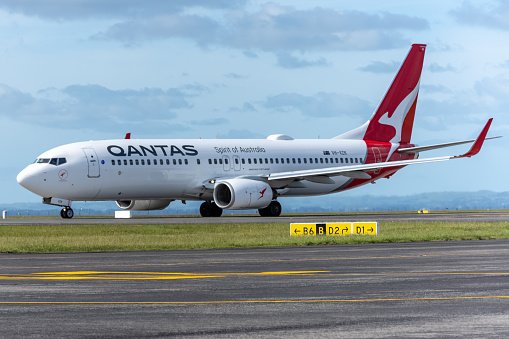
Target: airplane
237,174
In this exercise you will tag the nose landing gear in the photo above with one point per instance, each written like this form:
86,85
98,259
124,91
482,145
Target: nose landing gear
67,213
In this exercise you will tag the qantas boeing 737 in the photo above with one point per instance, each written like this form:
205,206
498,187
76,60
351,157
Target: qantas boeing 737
239,174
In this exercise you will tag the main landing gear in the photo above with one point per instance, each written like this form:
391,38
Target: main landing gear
273,210
67,213
210,209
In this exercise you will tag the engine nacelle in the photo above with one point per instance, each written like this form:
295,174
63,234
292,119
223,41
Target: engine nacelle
239,194
143,205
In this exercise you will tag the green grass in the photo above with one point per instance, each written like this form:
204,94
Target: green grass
90,238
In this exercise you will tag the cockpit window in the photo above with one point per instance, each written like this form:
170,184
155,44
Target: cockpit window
52,161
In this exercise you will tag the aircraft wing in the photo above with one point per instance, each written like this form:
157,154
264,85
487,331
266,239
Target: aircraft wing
359,171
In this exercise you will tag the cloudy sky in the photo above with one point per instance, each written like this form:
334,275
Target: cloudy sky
96,69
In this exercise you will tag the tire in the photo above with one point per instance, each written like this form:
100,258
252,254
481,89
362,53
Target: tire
210,209
204,209
69,213
273,210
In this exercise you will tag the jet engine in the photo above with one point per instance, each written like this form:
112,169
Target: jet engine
143,205
238,194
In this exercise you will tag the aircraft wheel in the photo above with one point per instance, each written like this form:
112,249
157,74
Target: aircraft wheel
210,209
67,213
216,211
273,210
204,210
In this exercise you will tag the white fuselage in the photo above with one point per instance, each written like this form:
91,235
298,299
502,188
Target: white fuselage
182,168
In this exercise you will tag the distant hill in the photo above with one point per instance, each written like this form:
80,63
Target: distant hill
485,200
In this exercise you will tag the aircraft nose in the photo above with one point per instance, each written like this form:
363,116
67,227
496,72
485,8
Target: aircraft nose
28,178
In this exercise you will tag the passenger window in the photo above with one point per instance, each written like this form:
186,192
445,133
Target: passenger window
321,160
287,160
215,161
119,162
220,161
113,162
356,160
226,161
210,161
180,161
351,160
236,161
198,161
305,160
298,160
310,160
125,162
131,162
143,161
148,161
346,160
186,162
249,161
161,162
336,160
341,160
167,161
316,160
137,162
271,160
174,161
277,161
266,160
254,160
243,161
282,160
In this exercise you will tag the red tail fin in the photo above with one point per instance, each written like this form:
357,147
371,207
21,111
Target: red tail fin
394,118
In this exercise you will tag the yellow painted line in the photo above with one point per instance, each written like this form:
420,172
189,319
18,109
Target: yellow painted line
251,301
106,275
102,275
262,261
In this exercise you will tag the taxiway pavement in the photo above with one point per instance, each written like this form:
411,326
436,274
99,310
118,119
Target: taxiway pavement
432,289
284,218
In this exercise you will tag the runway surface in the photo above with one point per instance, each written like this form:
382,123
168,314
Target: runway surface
285,218
433,289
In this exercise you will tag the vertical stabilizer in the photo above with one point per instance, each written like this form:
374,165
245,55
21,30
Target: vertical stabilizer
394,118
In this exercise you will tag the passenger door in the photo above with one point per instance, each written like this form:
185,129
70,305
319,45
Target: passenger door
93,163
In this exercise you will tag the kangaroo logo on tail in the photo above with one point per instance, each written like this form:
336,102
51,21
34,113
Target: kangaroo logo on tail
394,118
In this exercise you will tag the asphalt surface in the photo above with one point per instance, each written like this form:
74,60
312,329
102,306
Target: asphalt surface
288,218
433,289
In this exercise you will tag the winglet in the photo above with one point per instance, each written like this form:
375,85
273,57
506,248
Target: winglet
476,147
128,135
